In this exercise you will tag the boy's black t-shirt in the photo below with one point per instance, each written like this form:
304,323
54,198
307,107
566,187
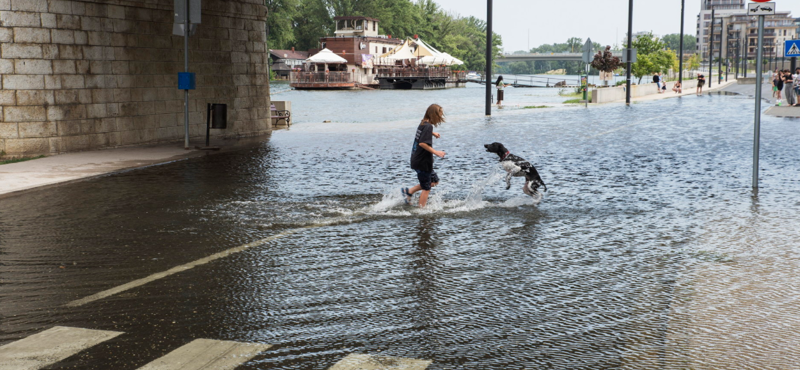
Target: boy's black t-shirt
422,159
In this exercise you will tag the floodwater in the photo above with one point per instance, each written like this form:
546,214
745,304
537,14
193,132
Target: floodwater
649,251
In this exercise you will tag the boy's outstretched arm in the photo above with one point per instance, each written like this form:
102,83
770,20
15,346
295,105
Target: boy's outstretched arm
438,153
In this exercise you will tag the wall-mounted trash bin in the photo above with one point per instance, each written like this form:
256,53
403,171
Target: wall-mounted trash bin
219,116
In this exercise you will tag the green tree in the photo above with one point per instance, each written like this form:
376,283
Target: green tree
673,41
280,14
652,57
574,44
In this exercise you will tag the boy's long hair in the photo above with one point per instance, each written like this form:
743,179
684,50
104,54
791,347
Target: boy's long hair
434,115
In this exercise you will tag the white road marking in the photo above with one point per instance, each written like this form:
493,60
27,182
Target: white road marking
50,346
368,362
177,269
207,354
620,128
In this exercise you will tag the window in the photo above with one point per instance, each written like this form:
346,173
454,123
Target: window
374,26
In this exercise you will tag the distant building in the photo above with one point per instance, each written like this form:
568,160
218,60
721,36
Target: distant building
285,61
741,30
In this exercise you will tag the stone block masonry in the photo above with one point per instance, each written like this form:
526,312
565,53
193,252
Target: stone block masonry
92,74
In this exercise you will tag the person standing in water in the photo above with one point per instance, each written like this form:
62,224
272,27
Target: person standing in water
500,89
422,155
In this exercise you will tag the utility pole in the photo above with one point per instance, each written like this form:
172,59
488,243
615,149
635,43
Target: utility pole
711,51
488,72
680,63
721,42
759,76
629,54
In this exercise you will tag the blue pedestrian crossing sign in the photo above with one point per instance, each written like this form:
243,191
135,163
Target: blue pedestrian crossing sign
792,48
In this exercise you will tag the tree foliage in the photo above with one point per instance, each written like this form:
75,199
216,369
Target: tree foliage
652,56
673,42
300,24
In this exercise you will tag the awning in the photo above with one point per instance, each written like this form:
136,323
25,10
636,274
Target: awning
326,56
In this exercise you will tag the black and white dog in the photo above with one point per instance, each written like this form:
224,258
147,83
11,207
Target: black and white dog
516,166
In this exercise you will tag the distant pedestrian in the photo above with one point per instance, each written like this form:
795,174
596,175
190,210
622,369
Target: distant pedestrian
701,81
500,88
422,155
657,81
678,89
788,90
663,82
797,86
776,80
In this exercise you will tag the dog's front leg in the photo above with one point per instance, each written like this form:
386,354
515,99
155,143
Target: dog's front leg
508,179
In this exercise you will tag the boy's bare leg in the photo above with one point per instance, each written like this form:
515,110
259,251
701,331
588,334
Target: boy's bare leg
417,188
423,198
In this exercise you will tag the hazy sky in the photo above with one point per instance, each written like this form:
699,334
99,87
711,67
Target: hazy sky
604,21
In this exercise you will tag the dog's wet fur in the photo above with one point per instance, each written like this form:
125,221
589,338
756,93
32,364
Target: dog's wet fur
517,167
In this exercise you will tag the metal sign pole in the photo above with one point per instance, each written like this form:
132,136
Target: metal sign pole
711,52
488,72
628,53
759,76
680,63
719,53
186,69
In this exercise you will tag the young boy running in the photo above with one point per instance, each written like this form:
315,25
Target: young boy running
422,155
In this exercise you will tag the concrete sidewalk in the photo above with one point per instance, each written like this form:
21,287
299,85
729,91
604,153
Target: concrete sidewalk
692,91
17,177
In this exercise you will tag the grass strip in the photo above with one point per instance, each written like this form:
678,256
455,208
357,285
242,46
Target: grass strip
17,160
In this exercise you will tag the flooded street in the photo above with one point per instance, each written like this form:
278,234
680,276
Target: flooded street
649,251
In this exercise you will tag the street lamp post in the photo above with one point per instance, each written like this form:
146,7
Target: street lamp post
488,72
680,63
721,42
711,51
628,53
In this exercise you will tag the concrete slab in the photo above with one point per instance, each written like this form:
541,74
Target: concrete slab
368,362
783,112
16,177
50,346
207,354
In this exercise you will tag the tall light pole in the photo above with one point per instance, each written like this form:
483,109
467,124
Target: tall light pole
759,76
628,53
680,63
488,72
711,51
721,42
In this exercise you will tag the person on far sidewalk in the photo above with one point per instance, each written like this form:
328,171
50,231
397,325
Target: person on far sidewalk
797,86
701,80
678,89
788,88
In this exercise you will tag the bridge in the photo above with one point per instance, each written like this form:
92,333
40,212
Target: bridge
577,57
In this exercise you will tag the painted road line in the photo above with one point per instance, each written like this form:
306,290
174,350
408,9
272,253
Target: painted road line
368,362
49,347
207,354
177,269
619,128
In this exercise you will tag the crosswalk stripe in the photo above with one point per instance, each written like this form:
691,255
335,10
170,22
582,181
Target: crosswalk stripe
207,354
367,362
50,346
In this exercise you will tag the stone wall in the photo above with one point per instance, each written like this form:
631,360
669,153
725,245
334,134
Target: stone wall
90,74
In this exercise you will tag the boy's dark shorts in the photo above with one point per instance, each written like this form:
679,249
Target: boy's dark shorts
426,178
